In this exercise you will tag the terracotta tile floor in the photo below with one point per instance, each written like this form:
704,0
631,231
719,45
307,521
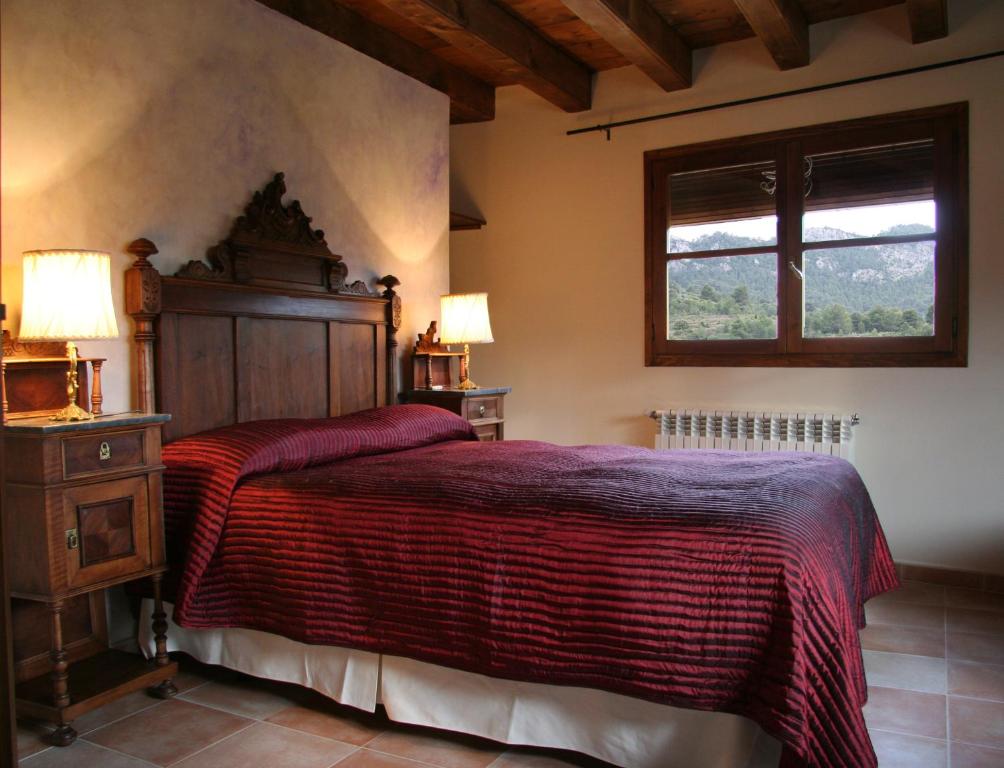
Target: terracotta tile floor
934,658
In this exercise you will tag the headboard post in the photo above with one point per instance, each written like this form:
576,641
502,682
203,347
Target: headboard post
389,282
142,287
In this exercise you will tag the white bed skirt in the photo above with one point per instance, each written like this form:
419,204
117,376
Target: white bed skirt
619,729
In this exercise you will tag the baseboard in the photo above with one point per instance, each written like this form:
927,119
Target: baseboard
951,577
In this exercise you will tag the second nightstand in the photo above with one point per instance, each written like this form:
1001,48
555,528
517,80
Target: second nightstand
82,512
482,407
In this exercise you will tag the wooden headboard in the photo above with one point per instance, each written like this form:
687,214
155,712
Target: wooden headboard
270,328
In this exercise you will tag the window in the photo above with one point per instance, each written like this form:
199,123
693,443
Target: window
835,245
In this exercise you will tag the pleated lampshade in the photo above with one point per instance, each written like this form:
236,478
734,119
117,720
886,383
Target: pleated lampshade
67,296
464,319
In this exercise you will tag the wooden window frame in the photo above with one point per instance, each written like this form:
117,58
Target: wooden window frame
947,125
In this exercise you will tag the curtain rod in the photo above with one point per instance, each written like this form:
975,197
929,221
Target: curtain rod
607,127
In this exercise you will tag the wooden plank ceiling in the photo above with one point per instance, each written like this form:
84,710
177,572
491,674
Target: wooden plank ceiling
467,48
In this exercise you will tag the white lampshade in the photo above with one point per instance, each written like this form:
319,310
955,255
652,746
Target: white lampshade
464,319
67,296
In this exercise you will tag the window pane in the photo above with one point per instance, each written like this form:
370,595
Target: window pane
719,208
741,233
869,192
872,290
868,221
722,297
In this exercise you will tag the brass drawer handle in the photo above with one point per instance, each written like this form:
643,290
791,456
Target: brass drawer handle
481,410
104,452
72,539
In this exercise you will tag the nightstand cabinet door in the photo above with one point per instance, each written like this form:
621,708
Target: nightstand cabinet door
106,530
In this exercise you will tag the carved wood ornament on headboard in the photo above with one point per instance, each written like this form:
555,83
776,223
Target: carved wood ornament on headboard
269,328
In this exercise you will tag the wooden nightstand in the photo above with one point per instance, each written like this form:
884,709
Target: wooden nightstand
82,512
482,407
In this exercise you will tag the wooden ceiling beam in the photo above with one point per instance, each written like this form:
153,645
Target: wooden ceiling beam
928,19
486,31
781,26
471,99
642,36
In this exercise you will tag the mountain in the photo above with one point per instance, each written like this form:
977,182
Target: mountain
899,275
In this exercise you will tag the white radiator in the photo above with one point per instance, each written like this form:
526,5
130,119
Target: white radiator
755,431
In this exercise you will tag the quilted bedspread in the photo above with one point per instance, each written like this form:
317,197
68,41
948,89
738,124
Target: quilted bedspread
711,580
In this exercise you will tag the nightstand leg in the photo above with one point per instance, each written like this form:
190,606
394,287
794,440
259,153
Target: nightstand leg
165,689
64,735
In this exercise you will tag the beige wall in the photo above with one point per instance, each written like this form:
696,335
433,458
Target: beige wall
129,118
562,260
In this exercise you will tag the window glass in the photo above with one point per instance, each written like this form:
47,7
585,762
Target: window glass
739,233
868,221
869,290
723,297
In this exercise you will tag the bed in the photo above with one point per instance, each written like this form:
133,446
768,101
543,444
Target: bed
645,608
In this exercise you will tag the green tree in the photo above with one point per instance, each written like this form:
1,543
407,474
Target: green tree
835,320
708,293
741,295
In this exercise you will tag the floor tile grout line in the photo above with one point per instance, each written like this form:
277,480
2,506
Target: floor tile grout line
975,698
194,687
918,655
977,744
147,708
116,752
343,758
943,692
402,757
317,735
28,757
914,690
251,724
911,735
220,708
981,663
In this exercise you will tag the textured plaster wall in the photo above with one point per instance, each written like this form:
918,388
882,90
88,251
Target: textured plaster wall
129,118
562,261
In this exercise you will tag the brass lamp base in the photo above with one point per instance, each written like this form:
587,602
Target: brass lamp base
465,368
72,411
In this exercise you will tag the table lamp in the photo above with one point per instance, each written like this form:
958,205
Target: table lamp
68,296
464,319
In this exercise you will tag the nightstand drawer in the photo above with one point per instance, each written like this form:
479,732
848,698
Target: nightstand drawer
88,454
483,408
106,530
487,432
